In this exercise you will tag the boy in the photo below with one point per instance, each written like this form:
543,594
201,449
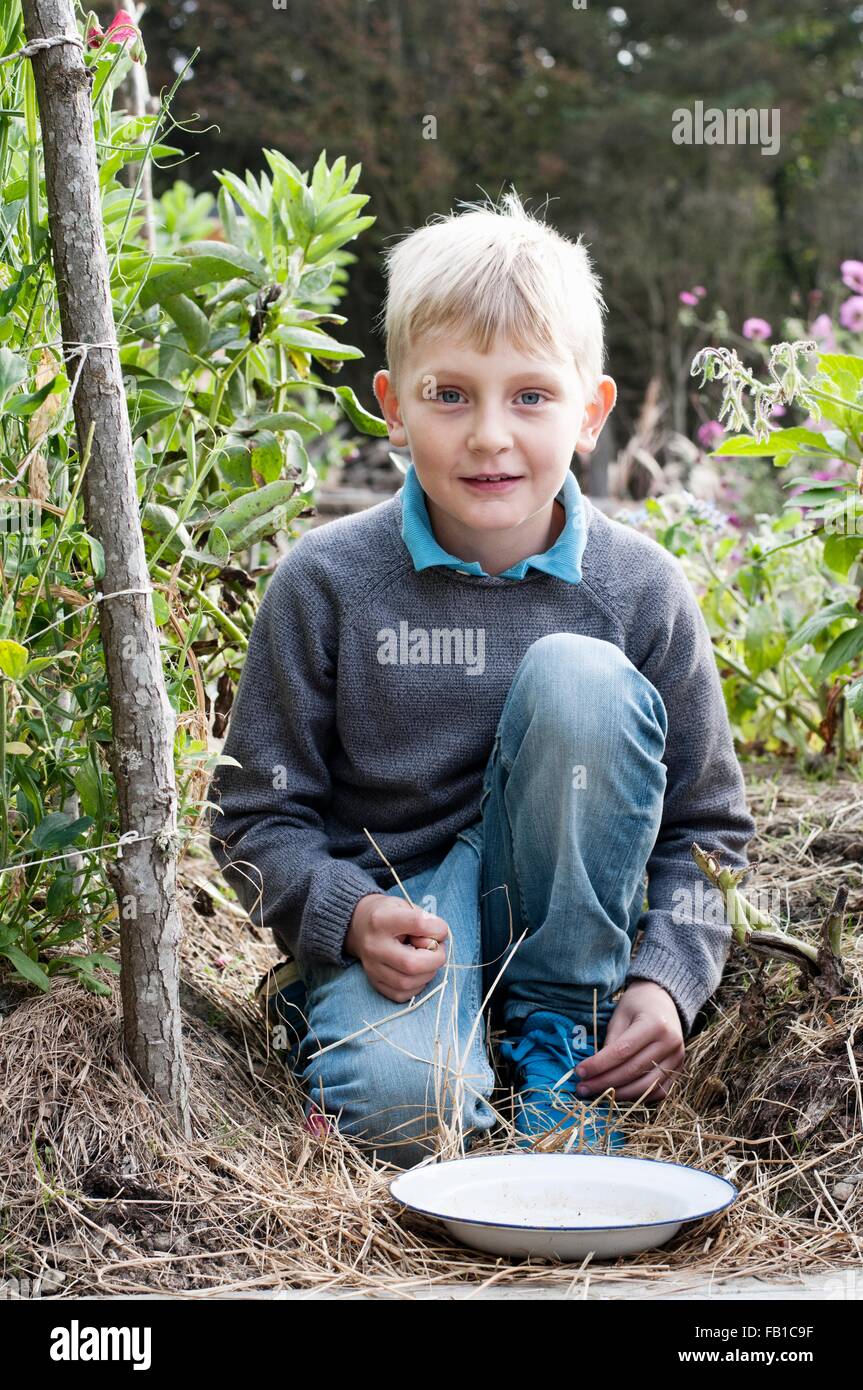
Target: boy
512,698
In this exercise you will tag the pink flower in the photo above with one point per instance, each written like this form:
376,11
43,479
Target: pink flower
687,297
710,434
822,331
851,313
121,30
852,275
317,1122
757,329
700,291
777,411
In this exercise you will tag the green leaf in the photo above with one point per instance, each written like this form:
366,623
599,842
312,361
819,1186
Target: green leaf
763,643
835,364
209,262
854,696
290,335
218,544
25,404
241,512
165,522
266,457
278,519
190,319
282,420
840,552
819,621
97,555
793,441
13,659
340,210
40,663
369,424
846,647
59,829
13,369
86,781
26,967
315,281
59,894
322,246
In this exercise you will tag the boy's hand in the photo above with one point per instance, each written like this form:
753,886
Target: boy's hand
385,934
643,1047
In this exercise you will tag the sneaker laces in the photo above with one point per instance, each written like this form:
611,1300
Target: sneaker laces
545,1053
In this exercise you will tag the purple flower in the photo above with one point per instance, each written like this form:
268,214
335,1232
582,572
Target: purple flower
822,331
852,275
687,297
710,434
757,329
851,313
777,411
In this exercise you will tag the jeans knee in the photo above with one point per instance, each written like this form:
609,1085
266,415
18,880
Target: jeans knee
568,676
400,1110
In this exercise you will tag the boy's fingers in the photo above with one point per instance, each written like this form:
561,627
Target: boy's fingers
430,925
638,1036
645,1065
414,964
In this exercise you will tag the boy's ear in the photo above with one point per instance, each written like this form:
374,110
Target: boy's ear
388,402
596,412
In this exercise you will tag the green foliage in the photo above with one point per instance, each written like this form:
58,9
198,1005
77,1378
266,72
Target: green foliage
784,603
224,356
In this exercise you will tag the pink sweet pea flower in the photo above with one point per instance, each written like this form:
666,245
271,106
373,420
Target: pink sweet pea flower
851,313
757,329
699,291
121,30
687,297
852,275
710,434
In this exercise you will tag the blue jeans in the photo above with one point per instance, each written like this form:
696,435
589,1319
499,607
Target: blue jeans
570,810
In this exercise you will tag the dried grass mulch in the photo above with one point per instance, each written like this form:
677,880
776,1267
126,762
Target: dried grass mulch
100,1195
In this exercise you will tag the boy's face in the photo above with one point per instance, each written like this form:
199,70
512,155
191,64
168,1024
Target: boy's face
464,414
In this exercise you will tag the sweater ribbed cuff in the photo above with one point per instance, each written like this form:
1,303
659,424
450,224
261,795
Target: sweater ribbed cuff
328,914
656,964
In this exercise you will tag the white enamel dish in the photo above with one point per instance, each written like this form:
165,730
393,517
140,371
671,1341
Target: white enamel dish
562,1205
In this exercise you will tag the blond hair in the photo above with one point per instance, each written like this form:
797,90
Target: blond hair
495,270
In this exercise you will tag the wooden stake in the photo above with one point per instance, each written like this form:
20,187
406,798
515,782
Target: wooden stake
142,752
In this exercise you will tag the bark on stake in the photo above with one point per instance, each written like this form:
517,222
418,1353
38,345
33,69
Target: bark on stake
142,759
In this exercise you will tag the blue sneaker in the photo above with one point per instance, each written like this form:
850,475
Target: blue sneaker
545,1056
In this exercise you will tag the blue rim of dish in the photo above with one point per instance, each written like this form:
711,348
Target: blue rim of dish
519,1226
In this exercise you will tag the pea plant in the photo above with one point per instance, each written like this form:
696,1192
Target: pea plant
784,602
225,334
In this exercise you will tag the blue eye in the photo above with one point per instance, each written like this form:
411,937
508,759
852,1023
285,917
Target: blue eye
443,392
531,393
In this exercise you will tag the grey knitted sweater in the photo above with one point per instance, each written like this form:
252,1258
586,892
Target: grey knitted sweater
329,744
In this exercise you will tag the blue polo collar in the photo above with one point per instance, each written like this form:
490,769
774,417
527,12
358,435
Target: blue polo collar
562,559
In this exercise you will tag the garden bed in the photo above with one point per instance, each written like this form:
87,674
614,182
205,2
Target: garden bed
101,1196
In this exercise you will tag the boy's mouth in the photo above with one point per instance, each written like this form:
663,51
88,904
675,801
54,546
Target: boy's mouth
492,482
